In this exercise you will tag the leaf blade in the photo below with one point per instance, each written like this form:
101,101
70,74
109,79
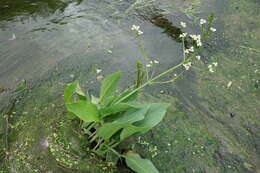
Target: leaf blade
109,84
138,164
85,110
109,129
130,130
71,89
154,115
114,109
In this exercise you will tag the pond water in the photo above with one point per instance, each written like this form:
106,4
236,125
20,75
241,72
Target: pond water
49,43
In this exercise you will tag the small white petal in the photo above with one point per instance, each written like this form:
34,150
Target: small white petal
198,57
98,71
140,32
183,24
213,29
202,21
183,35
211,70
199,44
191,49
156,62
186,51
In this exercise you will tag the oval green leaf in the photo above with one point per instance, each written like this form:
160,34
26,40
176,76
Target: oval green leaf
138,164
85,110
109,84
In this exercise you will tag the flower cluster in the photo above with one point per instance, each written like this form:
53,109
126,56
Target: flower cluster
210,67
137,29
183,24
202,21
187,65
191,49
151,63
183,35
197,38
212,29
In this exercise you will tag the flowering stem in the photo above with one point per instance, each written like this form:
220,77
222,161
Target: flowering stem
169,81
183,49
149,82
145,55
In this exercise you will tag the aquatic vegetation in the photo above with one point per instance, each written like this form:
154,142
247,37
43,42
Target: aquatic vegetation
111,118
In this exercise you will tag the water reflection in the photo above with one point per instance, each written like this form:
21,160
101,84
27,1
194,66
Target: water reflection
36,35
31,8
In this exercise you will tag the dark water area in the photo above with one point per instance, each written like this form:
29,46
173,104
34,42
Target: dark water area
213,124
37,35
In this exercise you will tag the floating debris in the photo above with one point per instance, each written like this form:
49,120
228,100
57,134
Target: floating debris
229,84
100,77
13,37
2,90
44,143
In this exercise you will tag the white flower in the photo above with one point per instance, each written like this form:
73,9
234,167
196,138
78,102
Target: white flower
194,37
140,32
148,65
183,24
137,29
215,64
187,65
212,29
198,57
156,62
72,76
197,38
202,21
98,71
186,51
210,68
199,44
183,35
151,62
191,49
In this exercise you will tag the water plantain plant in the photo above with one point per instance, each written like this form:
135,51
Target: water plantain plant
112,117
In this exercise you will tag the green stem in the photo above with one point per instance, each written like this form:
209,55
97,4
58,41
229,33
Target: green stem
98,144
169,81
93,138
149,82
90,126
183,49
145,55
